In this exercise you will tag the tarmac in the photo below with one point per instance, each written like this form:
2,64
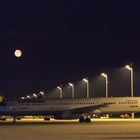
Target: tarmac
98,129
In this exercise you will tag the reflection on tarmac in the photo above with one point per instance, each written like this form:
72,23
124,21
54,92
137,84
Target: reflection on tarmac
99,129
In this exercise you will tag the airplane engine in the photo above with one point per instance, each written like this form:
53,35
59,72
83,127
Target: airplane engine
65,115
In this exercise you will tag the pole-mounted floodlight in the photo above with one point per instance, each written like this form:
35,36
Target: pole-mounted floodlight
22,98
72,87
28,97
70,84
41,92
60,89
128,67
34,95
106,77
87,82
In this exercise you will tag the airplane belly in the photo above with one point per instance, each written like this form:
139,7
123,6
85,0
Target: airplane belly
117,108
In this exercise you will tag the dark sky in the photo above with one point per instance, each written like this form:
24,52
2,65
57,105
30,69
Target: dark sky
64,41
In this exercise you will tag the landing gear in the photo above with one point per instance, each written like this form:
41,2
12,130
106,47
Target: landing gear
87,120
82,120
14,119
46,119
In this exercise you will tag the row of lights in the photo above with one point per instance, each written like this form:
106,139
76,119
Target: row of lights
33,95
128,67
87,86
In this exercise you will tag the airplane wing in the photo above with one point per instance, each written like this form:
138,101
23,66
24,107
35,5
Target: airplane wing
89,109
84,110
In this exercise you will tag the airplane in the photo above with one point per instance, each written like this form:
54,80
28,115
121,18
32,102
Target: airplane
81,109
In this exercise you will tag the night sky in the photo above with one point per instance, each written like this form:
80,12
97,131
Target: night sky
64,41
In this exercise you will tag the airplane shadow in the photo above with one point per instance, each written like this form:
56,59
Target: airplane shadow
38,123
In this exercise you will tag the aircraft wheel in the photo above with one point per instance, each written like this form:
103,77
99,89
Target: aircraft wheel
46,119
81,120
87,120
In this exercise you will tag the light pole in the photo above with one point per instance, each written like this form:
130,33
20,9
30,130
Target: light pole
106,77
128,67
132,79
87,82
60,89
72,88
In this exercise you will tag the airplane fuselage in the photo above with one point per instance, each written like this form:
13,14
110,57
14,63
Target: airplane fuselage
55,107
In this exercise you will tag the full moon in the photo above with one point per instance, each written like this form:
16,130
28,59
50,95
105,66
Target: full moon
18,53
